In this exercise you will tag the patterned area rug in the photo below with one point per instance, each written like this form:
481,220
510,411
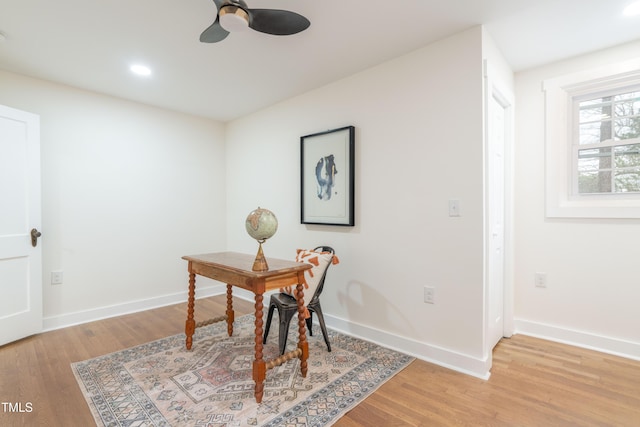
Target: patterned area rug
162,384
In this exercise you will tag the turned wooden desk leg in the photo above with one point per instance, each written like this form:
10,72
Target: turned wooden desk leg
259,366
190,325
302,335
230,315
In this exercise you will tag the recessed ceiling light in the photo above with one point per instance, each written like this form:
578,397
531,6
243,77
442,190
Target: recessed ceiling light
141,70
632,9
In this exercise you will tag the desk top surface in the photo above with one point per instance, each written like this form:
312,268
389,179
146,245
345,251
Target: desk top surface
243,263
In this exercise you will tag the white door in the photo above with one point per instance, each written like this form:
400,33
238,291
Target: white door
496,191
20,261
499,114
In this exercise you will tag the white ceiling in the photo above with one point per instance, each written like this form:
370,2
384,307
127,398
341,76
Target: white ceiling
90,44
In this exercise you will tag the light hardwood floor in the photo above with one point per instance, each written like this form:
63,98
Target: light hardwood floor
533,382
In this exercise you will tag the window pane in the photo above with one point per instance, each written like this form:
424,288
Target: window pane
590,102
594,133
594,182
594,159
594,114
627,156
627,104
588,164
627,181
606,100
627,128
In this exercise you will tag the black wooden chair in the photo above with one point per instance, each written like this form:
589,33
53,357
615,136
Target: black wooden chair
287,307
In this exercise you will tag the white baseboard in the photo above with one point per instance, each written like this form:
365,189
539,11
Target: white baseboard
446,358
466,364
439,356
85,316
609,345
429,353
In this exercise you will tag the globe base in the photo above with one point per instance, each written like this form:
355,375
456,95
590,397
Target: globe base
260,263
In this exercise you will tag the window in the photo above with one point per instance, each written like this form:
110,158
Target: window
606,143
592,143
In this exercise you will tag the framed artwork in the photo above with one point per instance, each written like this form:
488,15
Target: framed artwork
326,177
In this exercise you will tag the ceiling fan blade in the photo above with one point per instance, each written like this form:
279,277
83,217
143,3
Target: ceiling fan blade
214,33
277,22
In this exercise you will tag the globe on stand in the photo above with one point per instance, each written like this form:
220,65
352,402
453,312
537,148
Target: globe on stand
261,224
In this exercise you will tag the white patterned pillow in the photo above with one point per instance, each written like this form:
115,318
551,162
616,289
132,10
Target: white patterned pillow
319,262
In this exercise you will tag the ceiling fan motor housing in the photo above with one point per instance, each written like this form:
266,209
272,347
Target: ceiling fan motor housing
234,18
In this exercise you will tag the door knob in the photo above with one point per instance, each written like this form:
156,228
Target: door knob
34,237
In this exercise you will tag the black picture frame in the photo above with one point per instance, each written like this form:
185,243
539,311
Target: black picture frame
327,164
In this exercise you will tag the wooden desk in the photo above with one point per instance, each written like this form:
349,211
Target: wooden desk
234,269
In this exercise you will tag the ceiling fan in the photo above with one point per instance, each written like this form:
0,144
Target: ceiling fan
235,15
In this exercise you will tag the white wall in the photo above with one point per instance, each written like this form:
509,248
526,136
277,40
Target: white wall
593,289
127,190
419,137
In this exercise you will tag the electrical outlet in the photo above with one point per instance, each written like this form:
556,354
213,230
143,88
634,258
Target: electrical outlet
56,277
540,280
429,295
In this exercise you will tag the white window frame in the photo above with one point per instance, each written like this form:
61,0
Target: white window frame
610,143
560,95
